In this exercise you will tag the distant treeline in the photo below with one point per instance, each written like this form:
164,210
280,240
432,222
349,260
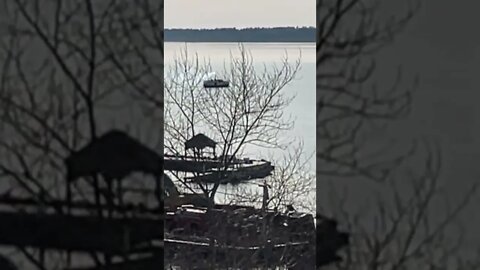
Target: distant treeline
277,34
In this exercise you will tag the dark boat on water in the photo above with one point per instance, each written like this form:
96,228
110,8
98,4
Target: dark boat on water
215,83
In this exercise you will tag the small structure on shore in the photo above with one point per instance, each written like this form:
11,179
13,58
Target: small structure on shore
199,142
114,155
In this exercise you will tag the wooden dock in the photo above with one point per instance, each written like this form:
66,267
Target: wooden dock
237,175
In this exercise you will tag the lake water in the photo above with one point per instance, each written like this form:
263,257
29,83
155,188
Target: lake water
303,107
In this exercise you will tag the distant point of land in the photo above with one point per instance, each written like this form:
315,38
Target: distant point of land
276,34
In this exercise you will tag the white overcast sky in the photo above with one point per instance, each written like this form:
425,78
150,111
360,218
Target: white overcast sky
238,13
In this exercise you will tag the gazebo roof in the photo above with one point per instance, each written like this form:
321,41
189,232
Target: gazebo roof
200,141
115,154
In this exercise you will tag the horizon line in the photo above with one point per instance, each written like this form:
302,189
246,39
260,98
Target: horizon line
239,28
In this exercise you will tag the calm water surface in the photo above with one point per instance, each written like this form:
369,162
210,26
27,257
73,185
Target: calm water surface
302,109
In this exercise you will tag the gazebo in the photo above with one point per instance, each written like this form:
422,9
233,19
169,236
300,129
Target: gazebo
114,155
200,142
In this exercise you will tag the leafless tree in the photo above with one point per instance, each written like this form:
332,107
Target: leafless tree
291,183
249,112
399,227
349,33
91,59
409,222
60,79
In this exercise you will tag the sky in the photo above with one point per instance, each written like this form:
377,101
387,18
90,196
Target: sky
238,13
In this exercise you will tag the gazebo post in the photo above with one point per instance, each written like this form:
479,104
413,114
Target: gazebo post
69,197
110,195
120,192
98,202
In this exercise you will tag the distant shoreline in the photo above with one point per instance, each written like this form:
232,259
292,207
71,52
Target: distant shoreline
236,41
257,35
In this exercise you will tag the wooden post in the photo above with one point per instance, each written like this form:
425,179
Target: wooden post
110,195
97,196
265,199
120,192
